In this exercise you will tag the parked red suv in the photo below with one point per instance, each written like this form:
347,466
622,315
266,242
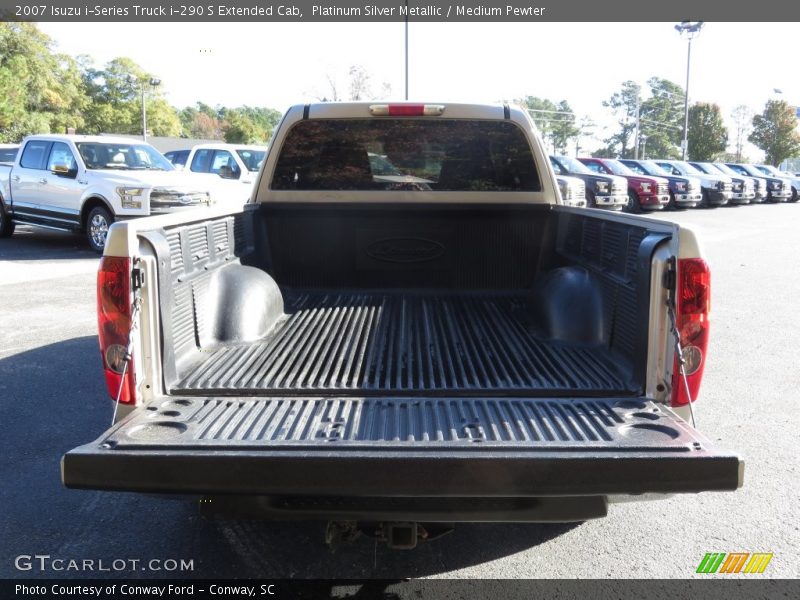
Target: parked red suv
645,192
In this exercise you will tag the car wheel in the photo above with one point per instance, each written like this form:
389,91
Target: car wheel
97,224
590,201
633,205
795,196
6,224
704,203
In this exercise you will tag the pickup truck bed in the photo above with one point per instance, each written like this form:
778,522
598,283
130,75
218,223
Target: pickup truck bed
399,343
417,351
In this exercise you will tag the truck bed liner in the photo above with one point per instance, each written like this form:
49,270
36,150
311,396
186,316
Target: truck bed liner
395,343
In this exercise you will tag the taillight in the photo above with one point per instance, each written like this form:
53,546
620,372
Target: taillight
114,325
693,305
406,110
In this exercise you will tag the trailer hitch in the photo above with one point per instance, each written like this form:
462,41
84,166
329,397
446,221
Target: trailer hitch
397,535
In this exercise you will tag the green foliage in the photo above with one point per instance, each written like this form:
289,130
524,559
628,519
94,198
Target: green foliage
660,119
708,136
556,122
249,125
775,132
40,91
116,94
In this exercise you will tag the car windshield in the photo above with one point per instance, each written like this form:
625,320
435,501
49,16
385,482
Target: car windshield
750,170
617,167
125,157
706,168
653,168
573,165
687,168
769,170
723,168
252,159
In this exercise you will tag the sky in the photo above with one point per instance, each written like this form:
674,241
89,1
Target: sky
280,64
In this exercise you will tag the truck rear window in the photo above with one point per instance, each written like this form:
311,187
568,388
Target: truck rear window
406,154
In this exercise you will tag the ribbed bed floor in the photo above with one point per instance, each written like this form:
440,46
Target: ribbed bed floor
373,343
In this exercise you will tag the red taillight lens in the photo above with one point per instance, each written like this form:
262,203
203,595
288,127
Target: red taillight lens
692,319
114,325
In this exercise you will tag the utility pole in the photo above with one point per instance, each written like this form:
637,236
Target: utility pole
406,49
153,83
691,29
636,137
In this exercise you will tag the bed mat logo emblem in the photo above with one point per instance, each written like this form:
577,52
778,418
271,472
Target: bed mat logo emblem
405,250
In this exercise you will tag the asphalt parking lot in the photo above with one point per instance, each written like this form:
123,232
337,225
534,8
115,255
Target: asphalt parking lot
52,398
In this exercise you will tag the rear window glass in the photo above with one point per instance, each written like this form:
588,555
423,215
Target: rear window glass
406,154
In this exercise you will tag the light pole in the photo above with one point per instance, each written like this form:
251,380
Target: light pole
153,83
638,119
406,61
690,30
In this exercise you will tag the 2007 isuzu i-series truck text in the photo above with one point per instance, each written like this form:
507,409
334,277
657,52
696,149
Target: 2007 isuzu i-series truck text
404,326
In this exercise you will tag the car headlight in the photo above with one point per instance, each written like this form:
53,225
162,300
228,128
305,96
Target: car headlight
601,187
131,197
645,187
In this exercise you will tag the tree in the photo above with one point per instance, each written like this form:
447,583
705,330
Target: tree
556,122
115,92
661,117
249,125
743,119
41,91
708,136
238,129
564,127
585,128
623,105
775,132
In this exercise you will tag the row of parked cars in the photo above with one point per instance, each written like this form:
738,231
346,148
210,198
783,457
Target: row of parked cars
646,185
85,183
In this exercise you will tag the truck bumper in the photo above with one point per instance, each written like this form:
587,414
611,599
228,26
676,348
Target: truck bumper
742,198
402,448
782,196
718,198
617,201
654,201
688,199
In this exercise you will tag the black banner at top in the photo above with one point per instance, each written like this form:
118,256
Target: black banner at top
396,10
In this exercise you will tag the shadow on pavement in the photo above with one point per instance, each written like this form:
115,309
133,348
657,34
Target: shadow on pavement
33,243
53,398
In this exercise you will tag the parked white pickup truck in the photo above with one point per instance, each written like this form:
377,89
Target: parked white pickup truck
85,183
360,347
230,170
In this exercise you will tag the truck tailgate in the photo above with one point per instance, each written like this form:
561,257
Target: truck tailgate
402,447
